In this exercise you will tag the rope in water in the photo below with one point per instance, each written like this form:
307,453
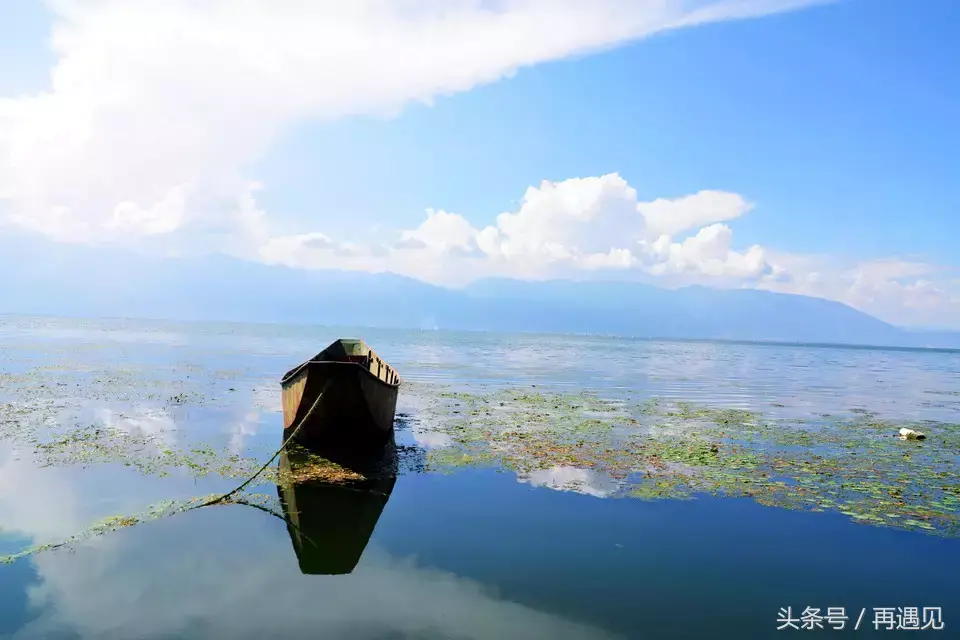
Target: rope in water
240,487
223,498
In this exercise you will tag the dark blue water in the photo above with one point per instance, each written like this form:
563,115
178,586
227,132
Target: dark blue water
473,554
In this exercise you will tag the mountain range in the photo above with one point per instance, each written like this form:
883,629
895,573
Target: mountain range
88,282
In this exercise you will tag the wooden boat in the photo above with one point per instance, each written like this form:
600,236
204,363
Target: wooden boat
330,524
346,395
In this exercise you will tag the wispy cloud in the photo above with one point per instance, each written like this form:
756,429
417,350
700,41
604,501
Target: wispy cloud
156,106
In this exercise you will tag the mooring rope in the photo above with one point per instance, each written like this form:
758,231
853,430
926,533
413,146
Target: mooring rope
240,487
219,499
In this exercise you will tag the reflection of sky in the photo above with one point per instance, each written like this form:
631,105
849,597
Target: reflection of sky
208,588
39,506
813,379
241,431
266,396
154,423
469,557
217,583
49,504
238,577
232,426
430,438
806,379
79,331
565,478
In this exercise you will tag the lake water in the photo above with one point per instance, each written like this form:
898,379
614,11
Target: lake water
463,552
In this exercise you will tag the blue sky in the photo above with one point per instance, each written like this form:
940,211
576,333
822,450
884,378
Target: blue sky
838,121
832,123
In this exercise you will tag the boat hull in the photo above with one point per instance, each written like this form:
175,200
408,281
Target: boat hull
341,404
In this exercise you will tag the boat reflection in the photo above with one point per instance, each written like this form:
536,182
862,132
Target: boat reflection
330,523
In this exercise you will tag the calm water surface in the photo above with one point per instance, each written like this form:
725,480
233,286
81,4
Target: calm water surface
474,554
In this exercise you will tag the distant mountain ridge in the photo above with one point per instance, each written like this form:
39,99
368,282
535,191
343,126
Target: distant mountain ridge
86,282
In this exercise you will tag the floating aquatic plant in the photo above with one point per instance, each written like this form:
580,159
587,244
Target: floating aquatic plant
155,511
650,448
855,465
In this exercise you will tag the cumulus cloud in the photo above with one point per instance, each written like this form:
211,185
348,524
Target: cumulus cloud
670,217
709,253
560,228
596,226
155,107
443,232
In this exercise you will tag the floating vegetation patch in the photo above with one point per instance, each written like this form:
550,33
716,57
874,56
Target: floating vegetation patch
101,446
153,512
74,379
150,454
40,428
855,465
852,463
43,419
300,465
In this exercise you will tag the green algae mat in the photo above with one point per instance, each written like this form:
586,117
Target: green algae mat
645,448
856,465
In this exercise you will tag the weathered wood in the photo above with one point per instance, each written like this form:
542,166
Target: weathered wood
359,397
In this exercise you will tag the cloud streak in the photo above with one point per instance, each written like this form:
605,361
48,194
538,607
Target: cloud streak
156,107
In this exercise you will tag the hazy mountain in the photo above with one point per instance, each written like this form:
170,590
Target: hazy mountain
82,281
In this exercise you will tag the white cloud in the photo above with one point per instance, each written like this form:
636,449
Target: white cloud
192,568
560,229
155,107
904,292
595,225
242,429
709,253
443,232
150,423
430,438
564,478
42,507
163,217
47,504
670,217
205,587
586,213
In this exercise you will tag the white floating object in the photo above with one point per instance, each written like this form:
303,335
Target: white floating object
910,434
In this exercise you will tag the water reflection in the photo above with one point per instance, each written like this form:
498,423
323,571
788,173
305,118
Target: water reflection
568,478
470,555
330,523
